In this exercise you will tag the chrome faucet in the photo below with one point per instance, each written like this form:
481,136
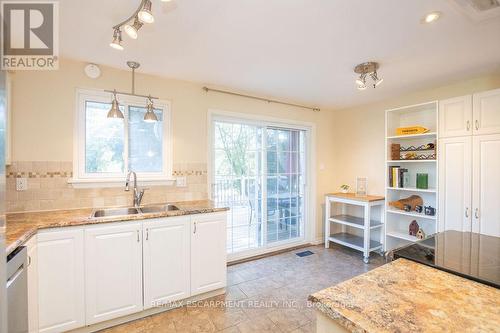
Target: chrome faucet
137,194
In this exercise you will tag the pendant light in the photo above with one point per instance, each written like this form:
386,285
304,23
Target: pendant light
145,14
132,30
117,40
115,111
150,116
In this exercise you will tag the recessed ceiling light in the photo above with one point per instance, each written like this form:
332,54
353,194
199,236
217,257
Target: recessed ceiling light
431,17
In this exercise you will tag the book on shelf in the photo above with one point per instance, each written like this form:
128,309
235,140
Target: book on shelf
398,177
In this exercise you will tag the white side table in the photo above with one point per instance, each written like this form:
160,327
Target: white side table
365,223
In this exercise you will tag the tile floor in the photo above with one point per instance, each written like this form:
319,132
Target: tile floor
265,295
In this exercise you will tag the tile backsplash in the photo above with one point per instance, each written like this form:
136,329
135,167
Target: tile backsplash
48,188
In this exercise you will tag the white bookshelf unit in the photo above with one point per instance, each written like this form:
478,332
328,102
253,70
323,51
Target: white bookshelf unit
397,221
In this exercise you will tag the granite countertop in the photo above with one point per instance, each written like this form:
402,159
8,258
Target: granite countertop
404,296
21,226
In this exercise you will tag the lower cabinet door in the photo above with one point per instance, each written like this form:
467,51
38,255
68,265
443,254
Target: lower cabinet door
208,252
31,244
113,271
166,260
61,301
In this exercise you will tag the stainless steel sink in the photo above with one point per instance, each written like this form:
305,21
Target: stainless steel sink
115,212
158,209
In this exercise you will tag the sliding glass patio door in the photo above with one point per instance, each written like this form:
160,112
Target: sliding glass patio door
259,172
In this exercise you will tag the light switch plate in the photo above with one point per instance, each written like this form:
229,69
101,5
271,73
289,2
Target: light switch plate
21,184
181,182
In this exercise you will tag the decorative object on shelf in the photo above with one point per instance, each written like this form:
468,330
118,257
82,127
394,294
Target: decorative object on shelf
132,24
431,211
413,228
409,156
115,111
344,188
367,69
395,151
419,209
428,146
420,234
361,186
422,181
411,130
413,201
407,208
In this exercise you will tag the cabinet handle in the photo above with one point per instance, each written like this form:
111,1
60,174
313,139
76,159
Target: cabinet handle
467,212
468,125
138,240
477,124
476,213
194,228
29,261
147,234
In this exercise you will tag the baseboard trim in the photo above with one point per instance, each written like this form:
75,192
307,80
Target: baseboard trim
146,313
268,254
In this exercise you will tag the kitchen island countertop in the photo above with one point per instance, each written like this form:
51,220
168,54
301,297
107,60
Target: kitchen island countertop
404,296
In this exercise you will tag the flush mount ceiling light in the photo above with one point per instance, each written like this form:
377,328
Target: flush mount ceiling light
115,111
431,17
132,25
365,70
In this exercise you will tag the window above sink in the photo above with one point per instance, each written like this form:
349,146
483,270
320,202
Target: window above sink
106,148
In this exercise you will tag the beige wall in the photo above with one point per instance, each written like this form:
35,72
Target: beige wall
44,105
359,131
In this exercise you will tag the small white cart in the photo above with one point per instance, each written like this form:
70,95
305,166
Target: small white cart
361,243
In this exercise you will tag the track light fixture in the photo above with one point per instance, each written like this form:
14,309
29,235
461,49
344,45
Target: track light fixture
142,14
115,111
132,30
117,40
367,69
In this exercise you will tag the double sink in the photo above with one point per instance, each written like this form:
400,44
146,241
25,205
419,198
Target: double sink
113,212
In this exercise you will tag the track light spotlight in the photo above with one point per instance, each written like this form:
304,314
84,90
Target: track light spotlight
145,14
117,40
132,30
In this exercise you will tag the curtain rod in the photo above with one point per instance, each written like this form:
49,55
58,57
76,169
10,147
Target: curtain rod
261,99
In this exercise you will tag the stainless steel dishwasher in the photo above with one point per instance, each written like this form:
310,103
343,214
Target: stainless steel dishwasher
17,291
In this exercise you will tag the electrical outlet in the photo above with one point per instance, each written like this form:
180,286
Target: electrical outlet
181,182
21,184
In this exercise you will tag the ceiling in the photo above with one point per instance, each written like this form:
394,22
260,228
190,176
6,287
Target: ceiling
298,50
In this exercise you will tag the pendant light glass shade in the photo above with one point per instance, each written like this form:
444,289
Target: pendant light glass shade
145,14
115,111
117,40
132,30
150,115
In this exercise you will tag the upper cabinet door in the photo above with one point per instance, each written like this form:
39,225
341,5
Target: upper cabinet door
208,252
113,271
455,183
486,180
455,117
61,300
166,260
487,112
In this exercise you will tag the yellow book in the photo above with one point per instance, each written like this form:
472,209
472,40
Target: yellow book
411,130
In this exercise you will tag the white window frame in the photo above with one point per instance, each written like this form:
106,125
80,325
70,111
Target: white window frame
83,179
309,229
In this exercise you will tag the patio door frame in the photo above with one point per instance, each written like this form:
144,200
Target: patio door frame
309,228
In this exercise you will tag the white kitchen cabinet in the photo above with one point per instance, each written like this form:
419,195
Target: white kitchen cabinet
61,302
113,271
455,183
486,185
31,246
166,259
486,108
208,252
455,117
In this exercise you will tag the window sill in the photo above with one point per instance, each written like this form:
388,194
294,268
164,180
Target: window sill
101,183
